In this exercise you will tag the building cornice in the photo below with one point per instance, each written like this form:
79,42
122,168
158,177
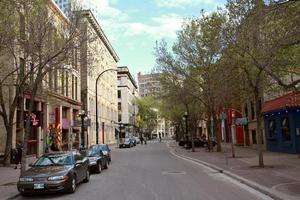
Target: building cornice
127,72
93,21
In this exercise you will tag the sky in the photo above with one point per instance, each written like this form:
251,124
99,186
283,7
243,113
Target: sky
134,26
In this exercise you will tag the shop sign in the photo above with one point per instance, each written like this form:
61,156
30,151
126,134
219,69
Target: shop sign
34,118
241,121
51,118
65,123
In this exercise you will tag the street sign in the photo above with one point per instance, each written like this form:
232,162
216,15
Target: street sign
241,121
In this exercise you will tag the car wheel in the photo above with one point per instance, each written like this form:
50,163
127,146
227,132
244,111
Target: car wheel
98,168
87,176
106,165
72,186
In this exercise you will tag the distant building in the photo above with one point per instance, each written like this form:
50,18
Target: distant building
149,84
127,94
66,5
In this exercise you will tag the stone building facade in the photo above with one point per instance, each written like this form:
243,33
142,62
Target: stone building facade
127,95
98,55
56,104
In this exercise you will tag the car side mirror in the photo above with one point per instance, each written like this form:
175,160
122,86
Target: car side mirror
78,162
30,164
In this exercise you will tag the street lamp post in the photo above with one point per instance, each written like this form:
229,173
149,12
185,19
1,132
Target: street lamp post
97,122
82,116
186,116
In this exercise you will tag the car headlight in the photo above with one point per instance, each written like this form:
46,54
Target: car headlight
57,178
24,179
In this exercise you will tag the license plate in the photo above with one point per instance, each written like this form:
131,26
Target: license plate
38,186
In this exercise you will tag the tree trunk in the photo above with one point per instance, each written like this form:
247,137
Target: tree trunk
8,147
208,133
258,127
218,136
232,142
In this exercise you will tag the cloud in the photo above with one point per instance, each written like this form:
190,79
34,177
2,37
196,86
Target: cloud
181,3
105,8
164,26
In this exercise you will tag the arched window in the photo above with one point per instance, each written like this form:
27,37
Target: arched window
285,129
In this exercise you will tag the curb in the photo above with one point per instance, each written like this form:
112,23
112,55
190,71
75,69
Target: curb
269,192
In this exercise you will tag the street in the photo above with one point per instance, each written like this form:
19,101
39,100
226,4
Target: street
151,172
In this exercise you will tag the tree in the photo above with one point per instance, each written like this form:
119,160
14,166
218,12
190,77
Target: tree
39,40
194,60
147,115
262,42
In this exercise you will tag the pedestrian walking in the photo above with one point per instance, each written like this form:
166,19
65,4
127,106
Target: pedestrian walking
142,139
159,136
19,148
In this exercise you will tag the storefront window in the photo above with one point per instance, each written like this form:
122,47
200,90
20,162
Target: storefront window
272,129
286,129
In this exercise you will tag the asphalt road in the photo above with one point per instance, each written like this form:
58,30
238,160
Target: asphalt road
151,172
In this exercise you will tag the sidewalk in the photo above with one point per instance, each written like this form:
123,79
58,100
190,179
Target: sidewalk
8,182
280,178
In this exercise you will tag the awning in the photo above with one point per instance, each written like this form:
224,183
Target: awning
286,101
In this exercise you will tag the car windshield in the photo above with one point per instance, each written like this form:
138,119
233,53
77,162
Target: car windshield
90,152
104,147
54,160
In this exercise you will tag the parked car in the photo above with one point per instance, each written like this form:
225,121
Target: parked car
98,160
181,142
127,143
55,172
197,142
106,151
133,141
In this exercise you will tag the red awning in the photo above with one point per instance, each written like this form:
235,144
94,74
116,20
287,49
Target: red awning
288,100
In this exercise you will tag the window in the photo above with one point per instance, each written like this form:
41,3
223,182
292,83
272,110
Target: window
272,128
252,111
119,118
64,113
31,66
73,87
55,79
51,80
254,138
67,84
119,94
246,110
285,129
76,88
62,82
119,106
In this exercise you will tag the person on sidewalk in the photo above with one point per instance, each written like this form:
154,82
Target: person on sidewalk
142,139
159,136
19,148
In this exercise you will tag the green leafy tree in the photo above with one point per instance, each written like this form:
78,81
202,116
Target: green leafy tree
262,43
194,60
147,115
